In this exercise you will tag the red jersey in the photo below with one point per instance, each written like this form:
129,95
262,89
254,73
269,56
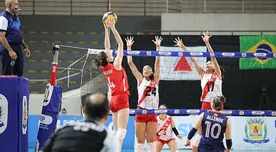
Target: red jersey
116,79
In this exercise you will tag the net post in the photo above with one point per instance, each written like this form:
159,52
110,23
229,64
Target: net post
55,52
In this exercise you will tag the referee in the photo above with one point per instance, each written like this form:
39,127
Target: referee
89,135
11,40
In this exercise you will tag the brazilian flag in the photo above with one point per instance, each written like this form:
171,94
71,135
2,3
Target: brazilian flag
258,44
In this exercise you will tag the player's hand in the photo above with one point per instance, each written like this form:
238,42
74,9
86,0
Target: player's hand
129,41
188,143
157,41
180,137
12,55
178,42
206,36
162,132
28,52
110,23
227,150
105,26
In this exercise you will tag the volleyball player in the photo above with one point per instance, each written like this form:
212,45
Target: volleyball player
148,98
166,128
117,82
214,125
211,79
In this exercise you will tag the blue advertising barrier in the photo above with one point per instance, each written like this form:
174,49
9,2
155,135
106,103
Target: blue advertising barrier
34,125
14,103
49,115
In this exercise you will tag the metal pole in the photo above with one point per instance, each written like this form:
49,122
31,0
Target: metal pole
242,6
204,6
167,6
53,78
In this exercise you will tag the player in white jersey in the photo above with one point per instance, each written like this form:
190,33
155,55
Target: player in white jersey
165,132
211,79
147,85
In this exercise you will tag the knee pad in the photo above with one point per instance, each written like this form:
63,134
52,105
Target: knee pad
139,147
196,140
114,133
121,133
151,147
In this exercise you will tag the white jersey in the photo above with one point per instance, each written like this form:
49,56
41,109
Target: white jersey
169,132
211,86
148,95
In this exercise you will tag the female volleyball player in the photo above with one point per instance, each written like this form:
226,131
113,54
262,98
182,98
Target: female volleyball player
211,79
148,98
214,125
166,128
117,81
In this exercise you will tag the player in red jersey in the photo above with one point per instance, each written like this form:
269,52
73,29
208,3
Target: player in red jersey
148,98
211,79
117,82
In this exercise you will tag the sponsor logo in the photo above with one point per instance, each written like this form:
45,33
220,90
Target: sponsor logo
45,119
196,54
241,113
255,131
193,111
244,55
48,94
257,112
24,115
227,112
228,54
273,113
176,111
180,54
144,111
260,54
3,113
133,52
165,53
160,111
148,53
212,54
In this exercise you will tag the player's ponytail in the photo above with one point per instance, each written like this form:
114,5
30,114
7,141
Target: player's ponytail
219,102
100,59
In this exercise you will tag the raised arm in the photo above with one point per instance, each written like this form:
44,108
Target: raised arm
157,43
132,66
206,38
180,44
228,135
107,43
119,58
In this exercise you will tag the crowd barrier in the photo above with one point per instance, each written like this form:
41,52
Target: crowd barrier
258,133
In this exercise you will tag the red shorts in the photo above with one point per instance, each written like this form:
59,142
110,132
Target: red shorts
206,105
164,141
145,117
118,102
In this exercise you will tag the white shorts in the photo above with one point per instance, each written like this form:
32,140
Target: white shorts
196,140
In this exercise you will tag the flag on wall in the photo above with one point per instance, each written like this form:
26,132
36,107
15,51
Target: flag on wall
258,44
180,68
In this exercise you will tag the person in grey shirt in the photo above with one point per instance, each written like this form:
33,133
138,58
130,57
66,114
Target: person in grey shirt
88,135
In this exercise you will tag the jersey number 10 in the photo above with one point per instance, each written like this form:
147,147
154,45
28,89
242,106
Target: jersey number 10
210,130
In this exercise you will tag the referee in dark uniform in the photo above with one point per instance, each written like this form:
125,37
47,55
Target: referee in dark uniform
89,135
11,40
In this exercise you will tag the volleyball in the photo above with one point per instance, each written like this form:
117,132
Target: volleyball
110,15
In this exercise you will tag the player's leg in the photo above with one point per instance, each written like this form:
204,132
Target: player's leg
151,132
115,122
173,145
196,140
140,129
158,145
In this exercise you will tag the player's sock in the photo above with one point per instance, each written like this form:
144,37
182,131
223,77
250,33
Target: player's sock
151,147
114,133
121,133
139,147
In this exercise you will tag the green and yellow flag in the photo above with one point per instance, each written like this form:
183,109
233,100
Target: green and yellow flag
258,44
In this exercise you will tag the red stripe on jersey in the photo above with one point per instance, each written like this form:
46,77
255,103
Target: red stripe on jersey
147,91
166,124
209,86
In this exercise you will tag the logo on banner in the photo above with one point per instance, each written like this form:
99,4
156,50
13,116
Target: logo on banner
3,113
24,115
255,131
48,94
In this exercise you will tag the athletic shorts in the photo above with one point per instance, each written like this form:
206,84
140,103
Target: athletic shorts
145,117
118,102
164,141
206,105
201,149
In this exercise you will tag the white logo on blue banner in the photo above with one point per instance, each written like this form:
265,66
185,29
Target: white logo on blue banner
24,115
3,113
45,119
48,94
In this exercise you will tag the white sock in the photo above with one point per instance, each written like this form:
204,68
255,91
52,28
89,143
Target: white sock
151,147
114,133
121,133
139,147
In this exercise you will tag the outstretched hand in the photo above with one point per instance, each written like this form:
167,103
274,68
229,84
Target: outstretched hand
206,36
110,23
129,41
157,41
178,42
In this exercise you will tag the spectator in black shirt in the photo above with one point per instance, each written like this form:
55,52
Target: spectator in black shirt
89,135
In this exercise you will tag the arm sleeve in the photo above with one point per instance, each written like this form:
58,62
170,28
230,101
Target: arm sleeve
3,24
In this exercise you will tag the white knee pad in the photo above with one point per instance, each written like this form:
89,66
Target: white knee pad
121,133
151,147
139,147
114,133
196,140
